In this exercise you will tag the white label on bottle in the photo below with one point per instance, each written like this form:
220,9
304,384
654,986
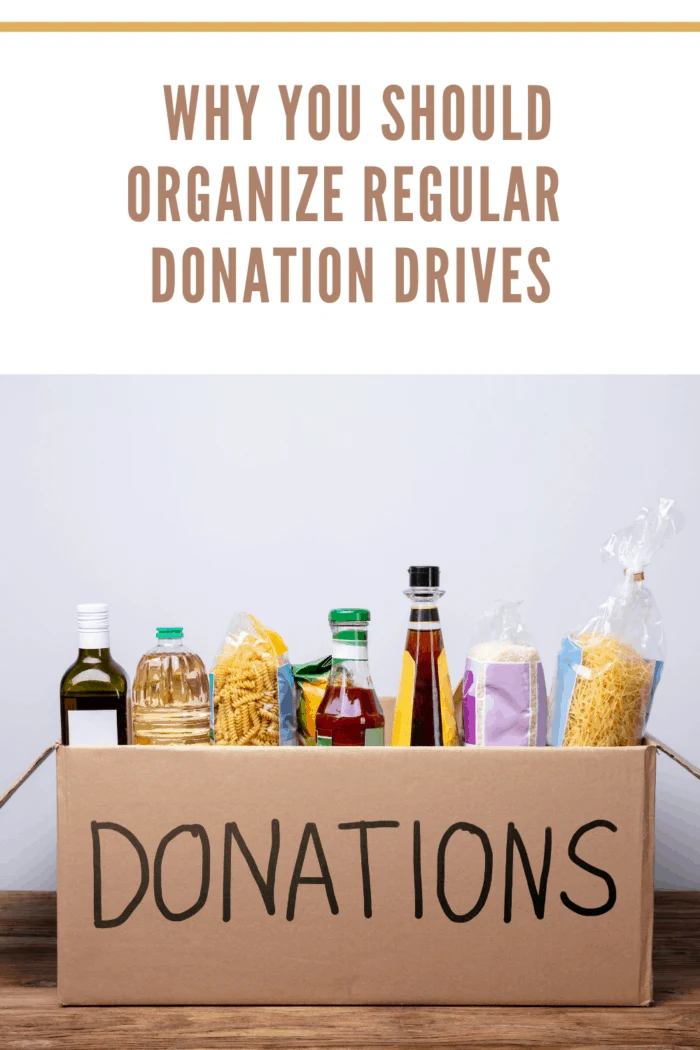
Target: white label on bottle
92,728
349,651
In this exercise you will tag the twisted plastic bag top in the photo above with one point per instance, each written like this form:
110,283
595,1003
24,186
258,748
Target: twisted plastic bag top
635,546
502,623
631,612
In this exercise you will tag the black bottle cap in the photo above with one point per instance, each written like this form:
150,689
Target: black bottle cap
424,576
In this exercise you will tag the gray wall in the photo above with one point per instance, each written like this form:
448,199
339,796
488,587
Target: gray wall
188,499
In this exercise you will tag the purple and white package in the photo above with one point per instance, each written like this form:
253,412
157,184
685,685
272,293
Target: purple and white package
504,694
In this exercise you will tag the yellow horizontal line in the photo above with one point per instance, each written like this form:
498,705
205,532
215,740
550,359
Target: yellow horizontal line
349,27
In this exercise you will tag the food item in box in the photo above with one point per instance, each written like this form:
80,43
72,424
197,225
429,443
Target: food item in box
504,695
612,690
311,680
252,688
94,690
424,706
349,714
608,671
170,697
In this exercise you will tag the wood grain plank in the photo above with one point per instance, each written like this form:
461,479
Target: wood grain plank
31,1019
178,1028
25,913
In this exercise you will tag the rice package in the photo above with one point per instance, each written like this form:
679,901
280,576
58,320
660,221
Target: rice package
311,681
252,688
504,694
607,672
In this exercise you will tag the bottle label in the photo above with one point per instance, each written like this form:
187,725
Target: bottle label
403,716
92,729
373,738
424,618
93,639
344,651
447,707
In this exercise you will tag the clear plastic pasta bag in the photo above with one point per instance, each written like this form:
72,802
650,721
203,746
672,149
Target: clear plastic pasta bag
504,694
607,672
252,688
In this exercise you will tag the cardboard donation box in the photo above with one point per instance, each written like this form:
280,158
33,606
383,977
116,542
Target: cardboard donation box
355,875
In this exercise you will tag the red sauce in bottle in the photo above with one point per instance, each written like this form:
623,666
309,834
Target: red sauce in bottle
349,714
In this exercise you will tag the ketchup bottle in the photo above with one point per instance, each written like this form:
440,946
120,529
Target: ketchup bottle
349,714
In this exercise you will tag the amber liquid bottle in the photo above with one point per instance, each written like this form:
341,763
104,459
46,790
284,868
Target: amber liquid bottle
424,708
170,694
95,689
349,714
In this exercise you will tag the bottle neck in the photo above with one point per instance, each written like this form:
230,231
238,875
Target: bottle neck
350,667
422,596
424,614
94,656
170,645
91,640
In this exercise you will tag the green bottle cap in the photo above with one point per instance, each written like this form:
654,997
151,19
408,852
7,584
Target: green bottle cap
348,615
168,632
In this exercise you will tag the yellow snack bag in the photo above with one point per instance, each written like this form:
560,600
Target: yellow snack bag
311,680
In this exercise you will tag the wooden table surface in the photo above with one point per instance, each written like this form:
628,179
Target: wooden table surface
31,1019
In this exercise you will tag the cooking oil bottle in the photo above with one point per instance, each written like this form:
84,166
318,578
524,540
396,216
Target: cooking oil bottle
170,697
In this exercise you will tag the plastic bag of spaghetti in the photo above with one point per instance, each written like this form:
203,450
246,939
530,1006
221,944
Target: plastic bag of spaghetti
608,671
252,688
504,695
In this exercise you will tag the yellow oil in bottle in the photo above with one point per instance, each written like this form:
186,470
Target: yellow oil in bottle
170,695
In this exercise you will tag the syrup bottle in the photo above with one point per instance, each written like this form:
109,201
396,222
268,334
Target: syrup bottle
424,708
349,714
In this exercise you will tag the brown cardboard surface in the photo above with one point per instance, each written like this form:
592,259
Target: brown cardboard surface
685,763
323,943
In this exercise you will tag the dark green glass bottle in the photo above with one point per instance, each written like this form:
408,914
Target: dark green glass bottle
95,689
